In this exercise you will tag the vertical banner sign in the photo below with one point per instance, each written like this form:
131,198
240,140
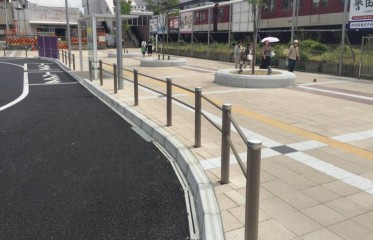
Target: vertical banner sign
90,39
361,15
186,22
153,25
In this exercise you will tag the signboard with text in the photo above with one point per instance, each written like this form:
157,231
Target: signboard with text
361,15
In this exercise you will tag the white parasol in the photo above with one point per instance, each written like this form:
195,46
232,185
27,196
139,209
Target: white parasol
270,39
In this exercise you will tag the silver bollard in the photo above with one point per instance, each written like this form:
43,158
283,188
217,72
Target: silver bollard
136,86
225,148
115,78
252,189
197,117
101,76
169,102
90,70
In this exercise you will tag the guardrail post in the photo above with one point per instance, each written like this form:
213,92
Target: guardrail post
169,101
66,58
115,78
69,54
63,56
90,70
74,62
159,57
101,77
26,52
168,57
136,86
252,188
197,117
225,148
4,53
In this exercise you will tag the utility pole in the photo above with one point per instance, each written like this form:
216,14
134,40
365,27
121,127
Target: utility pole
293,21
119,43
6,22
343,37
68,27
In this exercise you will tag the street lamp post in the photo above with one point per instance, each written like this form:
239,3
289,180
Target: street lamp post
118,37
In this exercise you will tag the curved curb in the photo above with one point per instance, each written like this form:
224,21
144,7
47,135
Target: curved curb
125,55
208,213
227,78
153,62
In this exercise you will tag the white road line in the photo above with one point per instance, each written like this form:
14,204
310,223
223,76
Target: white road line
331,170
337,93
201,69
48,84
24,92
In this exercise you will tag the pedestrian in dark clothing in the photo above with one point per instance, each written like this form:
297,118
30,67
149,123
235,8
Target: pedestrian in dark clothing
266,57
150,48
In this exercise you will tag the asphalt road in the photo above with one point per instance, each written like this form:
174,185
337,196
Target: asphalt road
71,168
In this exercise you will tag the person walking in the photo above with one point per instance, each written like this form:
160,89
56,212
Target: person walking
293,55
266,57
237,54
143,48
150,48
248,55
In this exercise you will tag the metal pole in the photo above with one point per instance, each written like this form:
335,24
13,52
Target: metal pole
169,102
6,23
225,148
63,56
115,78
80,46
26,52
293,21
66,58
197,117
136,86
69,54
343,37
101,77
74,62
360,61
90,70
68,28
118,23
252,189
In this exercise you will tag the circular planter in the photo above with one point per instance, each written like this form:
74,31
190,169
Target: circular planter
278,79
125,55
153,62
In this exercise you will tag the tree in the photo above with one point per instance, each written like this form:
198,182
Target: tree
162,8
125,8
256,7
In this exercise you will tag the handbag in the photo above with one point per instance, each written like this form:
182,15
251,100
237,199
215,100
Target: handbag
272,54
249,57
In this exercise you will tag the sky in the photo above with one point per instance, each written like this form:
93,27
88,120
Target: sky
58,3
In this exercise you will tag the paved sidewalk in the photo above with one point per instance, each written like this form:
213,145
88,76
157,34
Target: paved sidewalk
317,156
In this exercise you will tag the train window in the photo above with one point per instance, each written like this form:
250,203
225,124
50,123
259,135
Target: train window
324,3
269,6
221,12
286,4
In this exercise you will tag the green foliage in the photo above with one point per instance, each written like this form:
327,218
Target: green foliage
125,6
161,6
318,47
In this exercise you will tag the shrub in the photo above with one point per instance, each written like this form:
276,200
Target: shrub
318,47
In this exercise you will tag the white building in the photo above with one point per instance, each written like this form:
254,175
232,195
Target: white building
33,19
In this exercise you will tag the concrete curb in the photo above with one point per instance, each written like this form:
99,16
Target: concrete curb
208,214
227,78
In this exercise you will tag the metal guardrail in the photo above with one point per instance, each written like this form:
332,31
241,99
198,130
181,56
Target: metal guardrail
251,172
